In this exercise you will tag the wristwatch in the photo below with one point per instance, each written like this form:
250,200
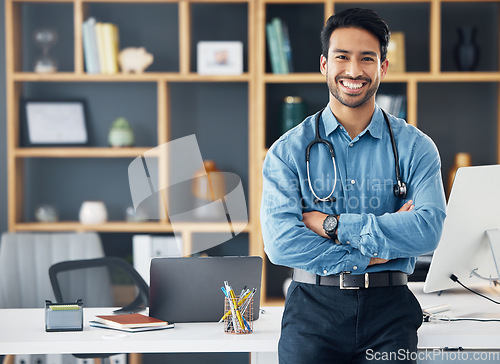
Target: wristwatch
330,225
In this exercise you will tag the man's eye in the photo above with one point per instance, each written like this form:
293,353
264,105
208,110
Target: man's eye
368,59
341,57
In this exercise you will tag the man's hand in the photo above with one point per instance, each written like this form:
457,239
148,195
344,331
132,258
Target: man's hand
408,206
374,261
314,221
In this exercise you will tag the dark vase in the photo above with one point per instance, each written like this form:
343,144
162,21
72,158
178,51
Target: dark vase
466,51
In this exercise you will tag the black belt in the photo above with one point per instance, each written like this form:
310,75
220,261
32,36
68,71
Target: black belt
352,281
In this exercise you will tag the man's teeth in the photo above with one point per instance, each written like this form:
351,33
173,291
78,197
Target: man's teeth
352,85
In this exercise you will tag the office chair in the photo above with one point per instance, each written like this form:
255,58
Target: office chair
25,258
101,282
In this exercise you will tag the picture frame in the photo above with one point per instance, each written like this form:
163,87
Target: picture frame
54,123
396,52
220,57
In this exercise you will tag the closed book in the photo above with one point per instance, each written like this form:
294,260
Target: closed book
130,320
272,43
110,45
90,46
101,48
131,329
278,26
287,48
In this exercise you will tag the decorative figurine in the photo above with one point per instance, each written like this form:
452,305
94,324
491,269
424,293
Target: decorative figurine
120,133
46,213
134,60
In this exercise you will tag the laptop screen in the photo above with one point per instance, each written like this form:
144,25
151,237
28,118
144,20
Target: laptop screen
189,289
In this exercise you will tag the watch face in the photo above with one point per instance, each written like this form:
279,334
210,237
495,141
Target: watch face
330,223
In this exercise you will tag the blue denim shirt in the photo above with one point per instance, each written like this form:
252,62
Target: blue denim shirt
369,225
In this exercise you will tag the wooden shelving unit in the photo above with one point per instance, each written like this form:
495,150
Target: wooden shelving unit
257,76
17,153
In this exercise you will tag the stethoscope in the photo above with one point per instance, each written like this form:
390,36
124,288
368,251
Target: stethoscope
400,187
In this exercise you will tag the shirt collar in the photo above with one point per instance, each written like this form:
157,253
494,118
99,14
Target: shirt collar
331,123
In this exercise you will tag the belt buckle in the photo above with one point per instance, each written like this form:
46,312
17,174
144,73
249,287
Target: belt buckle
342,286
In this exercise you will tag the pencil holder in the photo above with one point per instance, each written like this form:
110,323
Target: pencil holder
240,318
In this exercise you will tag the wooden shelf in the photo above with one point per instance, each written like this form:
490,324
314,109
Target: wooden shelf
393,77
90,152
121,77
123,226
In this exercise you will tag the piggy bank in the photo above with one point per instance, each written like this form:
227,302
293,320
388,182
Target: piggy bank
134,60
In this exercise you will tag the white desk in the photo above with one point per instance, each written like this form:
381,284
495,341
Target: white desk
484,336
22,331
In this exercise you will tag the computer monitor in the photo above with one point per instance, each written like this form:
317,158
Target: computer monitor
470,243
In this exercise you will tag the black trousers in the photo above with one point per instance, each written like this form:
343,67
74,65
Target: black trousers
324,324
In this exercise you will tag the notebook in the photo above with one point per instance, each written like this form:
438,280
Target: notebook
189,289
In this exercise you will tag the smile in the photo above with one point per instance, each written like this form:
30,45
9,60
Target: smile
352,85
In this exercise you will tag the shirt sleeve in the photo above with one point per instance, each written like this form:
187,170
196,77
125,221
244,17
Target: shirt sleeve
287,241
404,234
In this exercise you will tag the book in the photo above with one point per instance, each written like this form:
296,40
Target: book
287,48
278,26
111,46
90,46
131,320
101,47
272,44
131,329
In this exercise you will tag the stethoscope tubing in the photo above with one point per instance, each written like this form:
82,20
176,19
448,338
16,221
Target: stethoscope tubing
317,139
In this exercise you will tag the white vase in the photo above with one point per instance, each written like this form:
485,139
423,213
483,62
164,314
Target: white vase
93,212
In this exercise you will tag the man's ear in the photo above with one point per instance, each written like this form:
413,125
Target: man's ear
383,68
323,64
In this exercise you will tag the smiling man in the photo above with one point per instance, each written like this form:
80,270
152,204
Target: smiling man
351,211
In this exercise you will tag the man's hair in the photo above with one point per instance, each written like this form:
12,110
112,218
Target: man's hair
366,19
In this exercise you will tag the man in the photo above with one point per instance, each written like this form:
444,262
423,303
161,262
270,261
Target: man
365,236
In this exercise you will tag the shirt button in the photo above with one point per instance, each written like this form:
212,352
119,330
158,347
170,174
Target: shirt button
355,267
353,181
348,242
325,271
351,145
375,254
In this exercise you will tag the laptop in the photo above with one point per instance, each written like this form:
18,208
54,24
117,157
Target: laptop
189,289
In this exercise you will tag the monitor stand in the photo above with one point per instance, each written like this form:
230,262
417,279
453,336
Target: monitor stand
494,240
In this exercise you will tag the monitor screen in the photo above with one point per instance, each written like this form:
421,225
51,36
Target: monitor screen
471,232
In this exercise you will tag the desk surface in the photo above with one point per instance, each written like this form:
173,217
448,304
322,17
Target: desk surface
22,331
465,334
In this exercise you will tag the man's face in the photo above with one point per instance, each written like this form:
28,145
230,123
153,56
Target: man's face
353,69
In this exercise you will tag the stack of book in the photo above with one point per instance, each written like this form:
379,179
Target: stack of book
280,51
100,46
132,322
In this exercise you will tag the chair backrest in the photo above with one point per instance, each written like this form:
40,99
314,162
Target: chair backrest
101,282
25,259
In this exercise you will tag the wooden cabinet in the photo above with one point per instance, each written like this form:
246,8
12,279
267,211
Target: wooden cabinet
165,101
